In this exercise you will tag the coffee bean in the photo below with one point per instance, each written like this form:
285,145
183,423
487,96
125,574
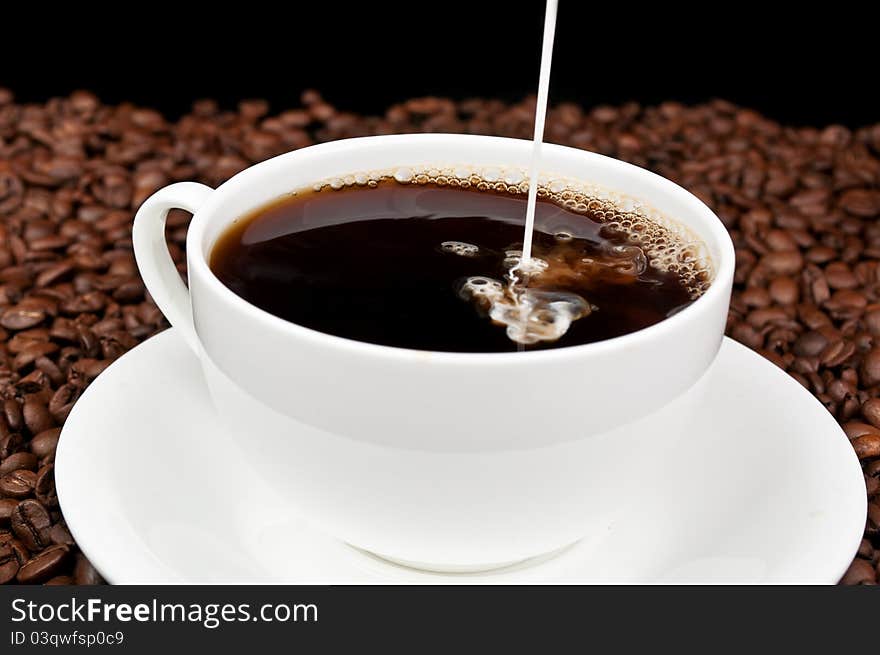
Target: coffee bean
62,401
784,291
839,276
761,317
855,429
59,580
22,554
872,322
873,526
84,573
810,344
871,411
783,263
859,572
44,486
36,415
6,507
45,442
43,565
18,484
820,254
867,446
836,353
30,522
861,202
872,485
756,297
50,369
11,443
19,460
870,369
19,318
8,564
32,352
59,534
12,413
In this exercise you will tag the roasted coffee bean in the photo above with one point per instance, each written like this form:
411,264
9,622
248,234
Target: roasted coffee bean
21,318
45,442
839,276
783,263
871,411
59,534
84,573
50,369
860,572
872,528
861,202
870,369
867,446
6,507
22,554
62,401
43,565
809,344
18,484
13,414
30,521
10,444
44,486
36,415
59,580
784,291
8,563
836,353
855,429
19,460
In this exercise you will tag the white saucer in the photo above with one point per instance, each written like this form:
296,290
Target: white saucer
766,490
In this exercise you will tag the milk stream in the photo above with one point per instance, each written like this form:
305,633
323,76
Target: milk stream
538,138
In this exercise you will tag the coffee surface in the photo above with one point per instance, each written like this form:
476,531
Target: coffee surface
407,265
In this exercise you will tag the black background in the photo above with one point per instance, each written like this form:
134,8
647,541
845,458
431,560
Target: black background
801,64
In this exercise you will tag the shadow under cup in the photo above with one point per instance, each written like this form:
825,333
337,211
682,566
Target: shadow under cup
444,461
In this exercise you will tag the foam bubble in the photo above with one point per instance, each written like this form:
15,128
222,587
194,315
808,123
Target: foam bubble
403,174
513,176
491,174
460,248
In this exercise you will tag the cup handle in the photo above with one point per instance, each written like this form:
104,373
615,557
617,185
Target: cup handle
157,269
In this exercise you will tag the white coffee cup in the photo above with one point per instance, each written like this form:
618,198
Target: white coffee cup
446,461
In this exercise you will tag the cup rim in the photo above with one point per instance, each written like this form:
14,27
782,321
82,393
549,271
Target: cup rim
720,285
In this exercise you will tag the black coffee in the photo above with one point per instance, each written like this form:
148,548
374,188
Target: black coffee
424,265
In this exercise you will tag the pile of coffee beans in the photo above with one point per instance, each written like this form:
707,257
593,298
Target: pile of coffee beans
802,206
